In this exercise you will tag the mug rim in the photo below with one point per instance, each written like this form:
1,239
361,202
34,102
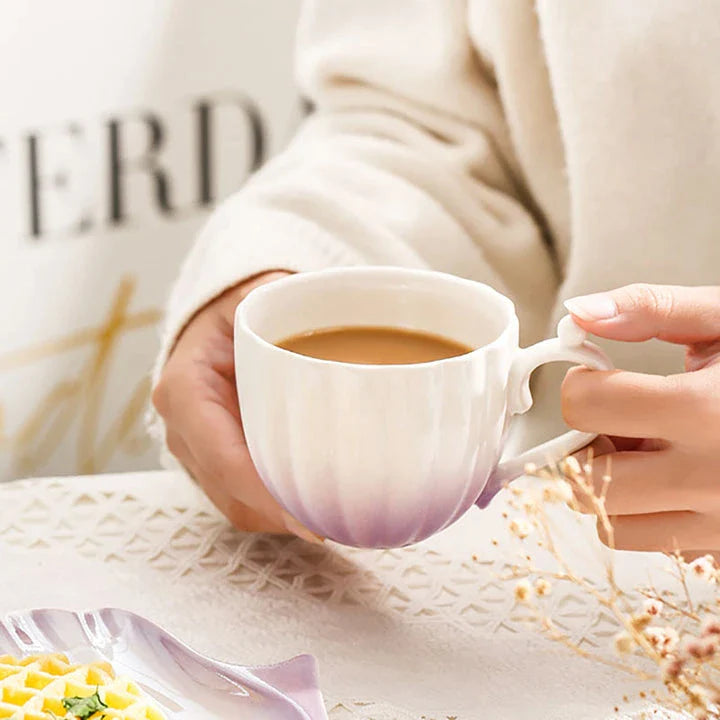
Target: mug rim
257,293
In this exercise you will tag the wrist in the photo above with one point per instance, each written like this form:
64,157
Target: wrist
220,311
230,298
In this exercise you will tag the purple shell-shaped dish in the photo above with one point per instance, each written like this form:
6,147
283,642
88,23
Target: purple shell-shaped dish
183,683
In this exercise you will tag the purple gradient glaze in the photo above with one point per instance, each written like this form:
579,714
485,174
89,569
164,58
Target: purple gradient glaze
375,456
183,683
383,530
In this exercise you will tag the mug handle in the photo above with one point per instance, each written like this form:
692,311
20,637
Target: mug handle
570,345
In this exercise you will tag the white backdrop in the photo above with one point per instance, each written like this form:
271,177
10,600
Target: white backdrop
121,124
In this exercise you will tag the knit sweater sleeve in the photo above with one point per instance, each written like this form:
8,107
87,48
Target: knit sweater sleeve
406,160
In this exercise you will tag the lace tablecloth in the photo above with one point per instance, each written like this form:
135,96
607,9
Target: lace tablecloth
423,633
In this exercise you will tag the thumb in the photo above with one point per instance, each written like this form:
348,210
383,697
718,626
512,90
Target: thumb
673,313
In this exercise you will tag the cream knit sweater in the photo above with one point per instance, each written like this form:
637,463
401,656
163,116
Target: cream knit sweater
548,149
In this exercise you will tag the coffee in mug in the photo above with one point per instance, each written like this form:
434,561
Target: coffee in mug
384,455
374,345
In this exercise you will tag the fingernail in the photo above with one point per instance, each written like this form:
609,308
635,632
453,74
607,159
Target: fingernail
301,531
598,306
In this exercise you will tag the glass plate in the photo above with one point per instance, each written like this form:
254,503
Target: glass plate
182,682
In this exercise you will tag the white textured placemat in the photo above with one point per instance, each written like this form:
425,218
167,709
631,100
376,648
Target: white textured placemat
425,632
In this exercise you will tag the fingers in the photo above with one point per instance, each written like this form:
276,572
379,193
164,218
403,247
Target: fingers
240,515
197,399
218,446
226,469
656,499
615,402
639,312
701,355
219,460
205,434
201,409
646,482
605,444
640,481
665,532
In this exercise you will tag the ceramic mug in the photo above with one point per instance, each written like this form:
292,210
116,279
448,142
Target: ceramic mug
383,456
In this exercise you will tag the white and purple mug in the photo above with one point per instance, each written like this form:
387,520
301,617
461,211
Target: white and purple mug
384,456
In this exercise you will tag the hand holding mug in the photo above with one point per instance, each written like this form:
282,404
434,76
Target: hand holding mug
384,455
197,399
663,429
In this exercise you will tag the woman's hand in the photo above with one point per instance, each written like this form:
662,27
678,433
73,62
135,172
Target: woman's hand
664,444
197,399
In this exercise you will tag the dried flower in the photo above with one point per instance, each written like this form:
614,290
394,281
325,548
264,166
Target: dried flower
710,647
671,668
520,527
703,568
699,648
692,647
653,607
557,491
698,696
571,466
663,639
528,503
710,626
623,643
640,622
523,591
689,670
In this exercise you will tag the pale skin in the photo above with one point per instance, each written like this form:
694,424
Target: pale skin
196,397
659,433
